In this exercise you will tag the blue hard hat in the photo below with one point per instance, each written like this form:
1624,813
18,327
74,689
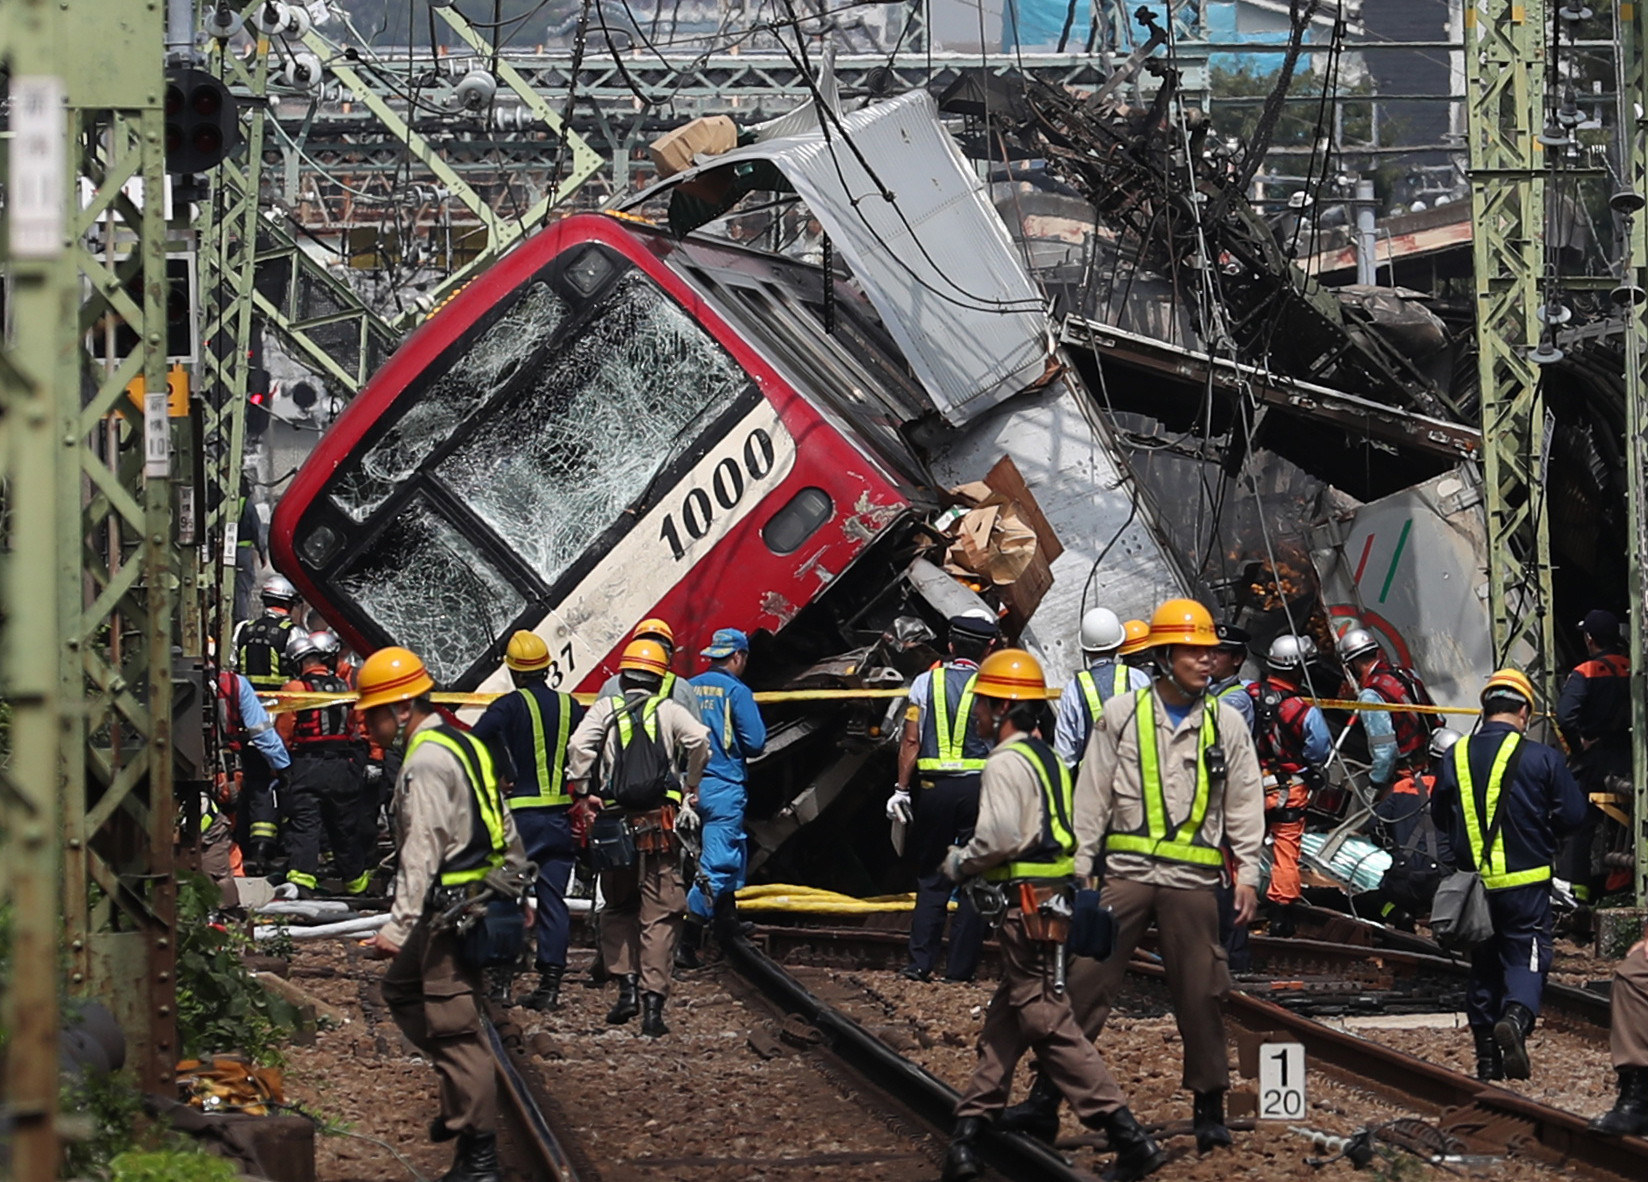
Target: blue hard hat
725,643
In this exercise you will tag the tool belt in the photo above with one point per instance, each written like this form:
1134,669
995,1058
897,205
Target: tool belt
655,830
1045,909
1284,816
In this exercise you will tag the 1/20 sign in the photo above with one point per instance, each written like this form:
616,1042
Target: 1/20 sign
1281,1081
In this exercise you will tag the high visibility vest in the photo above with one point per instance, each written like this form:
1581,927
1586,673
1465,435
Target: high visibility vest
548,763
487,842
649,723
1095,701
261,650
1155,838
1490,864
1054,855
946,733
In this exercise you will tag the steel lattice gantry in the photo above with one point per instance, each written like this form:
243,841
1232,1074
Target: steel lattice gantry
92,575
1505,76
1632,33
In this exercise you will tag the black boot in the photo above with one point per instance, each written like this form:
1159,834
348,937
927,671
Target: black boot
548,994
652,1015
1037,1115
629,1001
1489,1066
961,1163
725,918
1208,1121
260,856
1629,1115
1511,1033
477,1159
498,984
686,948
1136,1154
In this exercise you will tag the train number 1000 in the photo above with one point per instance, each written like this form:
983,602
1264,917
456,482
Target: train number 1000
728,480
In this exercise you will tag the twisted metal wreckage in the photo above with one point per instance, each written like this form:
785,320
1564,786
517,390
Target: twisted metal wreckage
1182,408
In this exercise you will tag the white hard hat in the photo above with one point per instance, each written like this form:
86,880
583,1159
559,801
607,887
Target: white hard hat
300,646
278,589
1357,642
1101,631
326,642
1442,741
1290,652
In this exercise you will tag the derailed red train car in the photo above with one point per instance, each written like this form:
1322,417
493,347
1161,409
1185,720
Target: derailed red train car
611,424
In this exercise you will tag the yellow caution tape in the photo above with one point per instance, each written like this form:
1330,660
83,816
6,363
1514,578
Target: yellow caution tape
282,701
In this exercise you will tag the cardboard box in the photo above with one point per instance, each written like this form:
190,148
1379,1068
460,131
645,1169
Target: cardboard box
675,151
1004,540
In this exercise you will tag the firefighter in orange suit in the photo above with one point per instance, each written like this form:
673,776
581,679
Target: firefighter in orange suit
1168,780
1023,842
456,841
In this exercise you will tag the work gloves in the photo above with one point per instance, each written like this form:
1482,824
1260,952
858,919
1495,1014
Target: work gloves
898,806
687,821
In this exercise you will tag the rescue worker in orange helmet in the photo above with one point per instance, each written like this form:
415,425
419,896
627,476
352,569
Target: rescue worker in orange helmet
456,841
1501,803
323,785
670,685
1293,744
1628,1043
1136,649
532,727
1170,779
1023,841
626,752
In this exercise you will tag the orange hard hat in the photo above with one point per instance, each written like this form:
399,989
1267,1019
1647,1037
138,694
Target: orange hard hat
392,674
1509,681
1138,637
644,656
656,629
527,652
1012,675
1183,621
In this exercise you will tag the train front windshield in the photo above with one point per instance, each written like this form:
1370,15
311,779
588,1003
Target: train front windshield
520,455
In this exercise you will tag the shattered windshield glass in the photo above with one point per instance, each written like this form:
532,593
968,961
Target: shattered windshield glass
432,590
479,373
577,441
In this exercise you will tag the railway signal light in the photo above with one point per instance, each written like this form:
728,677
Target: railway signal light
202,121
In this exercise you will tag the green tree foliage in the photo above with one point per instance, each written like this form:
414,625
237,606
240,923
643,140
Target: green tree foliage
220,1006
1296,126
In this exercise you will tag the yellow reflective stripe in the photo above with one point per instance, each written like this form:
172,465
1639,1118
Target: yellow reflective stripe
476,762
1090,691
1120,681
1061,868
1057,802
1154,842
1171,851
556,771
1490,864
950,729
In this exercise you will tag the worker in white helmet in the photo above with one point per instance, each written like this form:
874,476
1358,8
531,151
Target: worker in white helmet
1102,636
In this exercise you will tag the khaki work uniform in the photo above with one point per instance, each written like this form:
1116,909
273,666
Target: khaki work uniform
1169,872
1026,1012
431,994
646,901
1628,1027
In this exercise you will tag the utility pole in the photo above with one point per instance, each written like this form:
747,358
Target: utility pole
87,817
1505,89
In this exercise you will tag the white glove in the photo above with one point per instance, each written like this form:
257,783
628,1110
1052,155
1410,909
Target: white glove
687,819
898,806
951,867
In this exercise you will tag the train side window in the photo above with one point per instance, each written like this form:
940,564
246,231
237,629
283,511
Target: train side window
788,529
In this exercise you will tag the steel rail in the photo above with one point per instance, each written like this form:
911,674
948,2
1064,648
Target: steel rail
924,1094
544,1144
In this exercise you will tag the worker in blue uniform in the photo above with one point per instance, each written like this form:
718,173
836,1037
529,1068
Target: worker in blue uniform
530,728
943,755
737,734
1501,803
1227,684
1594,715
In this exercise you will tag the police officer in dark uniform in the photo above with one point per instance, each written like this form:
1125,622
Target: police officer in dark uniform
1594,715
532,726
1501,803
944,754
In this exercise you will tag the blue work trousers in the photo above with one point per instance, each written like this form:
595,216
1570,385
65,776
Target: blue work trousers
725,856
944,815
546,832
1512,965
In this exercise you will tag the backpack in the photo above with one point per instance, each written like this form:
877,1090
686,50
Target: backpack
642,775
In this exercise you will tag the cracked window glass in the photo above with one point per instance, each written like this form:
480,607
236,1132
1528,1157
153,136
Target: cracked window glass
578,440
432,590
477,374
